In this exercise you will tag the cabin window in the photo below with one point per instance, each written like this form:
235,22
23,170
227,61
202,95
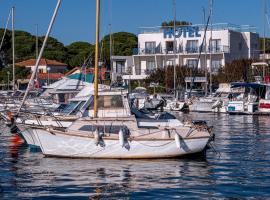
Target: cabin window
109,102
74,112
114,129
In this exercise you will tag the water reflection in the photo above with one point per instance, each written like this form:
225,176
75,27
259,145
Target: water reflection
242,169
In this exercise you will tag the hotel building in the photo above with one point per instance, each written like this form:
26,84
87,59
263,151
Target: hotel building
159,47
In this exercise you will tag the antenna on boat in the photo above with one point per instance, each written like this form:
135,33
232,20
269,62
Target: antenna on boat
30,84
96,59
13,47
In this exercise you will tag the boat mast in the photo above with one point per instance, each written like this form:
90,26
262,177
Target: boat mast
96,59
174,48
210,44
40,53
36,48
205,52
36,41
264,40
13,47
111,66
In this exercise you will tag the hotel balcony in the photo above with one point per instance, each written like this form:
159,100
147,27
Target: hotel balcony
186,51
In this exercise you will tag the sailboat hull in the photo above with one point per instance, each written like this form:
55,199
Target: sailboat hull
28,135
66,145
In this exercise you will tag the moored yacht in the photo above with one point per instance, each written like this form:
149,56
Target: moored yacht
117,134
247,102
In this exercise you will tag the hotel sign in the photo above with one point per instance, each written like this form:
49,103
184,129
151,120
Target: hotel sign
185,32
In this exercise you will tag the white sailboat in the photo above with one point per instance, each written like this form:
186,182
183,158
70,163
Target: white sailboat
113,132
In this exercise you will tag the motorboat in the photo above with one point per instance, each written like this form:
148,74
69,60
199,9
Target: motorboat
248,101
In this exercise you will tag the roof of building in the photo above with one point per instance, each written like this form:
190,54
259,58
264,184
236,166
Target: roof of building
43,61
45,76
201,27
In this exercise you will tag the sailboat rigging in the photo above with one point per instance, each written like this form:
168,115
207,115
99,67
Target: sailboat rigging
40,54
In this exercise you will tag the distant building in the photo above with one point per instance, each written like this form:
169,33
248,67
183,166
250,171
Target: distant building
45,66
157,48
122,65
48,78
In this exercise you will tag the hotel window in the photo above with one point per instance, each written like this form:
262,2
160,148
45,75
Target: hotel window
192,63
150,66
215,45
216,64
169,47
150,47
192,46
120,67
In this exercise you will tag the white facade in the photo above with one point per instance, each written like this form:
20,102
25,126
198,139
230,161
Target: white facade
156,47
122,65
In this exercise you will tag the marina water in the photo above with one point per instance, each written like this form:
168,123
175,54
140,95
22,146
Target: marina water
238,167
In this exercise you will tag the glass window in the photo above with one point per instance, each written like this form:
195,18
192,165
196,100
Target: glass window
120,67
69,107
215,45
216,64
192,46
192,63
108,102
150,47
75,111
150,66
114,129
169,46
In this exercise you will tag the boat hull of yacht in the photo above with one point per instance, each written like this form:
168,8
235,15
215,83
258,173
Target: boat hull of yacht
62,144
201,106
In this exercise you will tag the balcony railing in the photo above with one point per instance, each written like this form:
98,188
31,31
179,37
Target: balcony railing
187,50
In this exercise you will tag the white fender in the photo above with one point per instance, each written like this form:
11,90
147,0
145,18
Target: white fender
96,137
177,140
121,138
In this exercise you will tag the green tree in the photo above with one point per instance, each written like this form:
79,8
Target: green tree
55,50
123,44
78,52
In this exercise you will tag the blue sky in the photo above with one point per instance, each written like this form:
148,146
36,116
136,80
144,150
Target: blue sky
76,19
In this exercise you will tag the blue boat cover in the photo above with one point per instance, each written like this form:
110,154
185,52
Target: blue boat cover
243,84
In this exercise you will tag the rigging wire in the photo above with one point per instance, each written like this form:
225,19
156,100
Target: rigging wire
5,31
